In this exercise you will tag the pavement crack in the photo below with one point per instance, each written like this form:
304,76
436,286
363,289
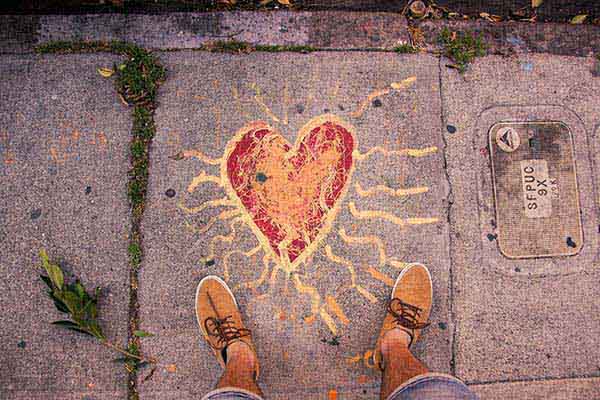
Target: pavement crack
449,204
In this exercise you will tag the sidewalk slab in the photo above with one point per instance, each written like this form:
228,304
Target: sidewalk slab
558,389
63,160
520,319
204,102
183,30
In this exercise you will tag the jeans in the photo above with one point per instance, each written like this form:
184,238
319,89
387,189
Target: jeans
428,386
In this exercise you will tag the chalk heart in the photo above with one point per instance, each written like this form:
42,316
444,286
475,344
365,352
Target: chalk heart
290,194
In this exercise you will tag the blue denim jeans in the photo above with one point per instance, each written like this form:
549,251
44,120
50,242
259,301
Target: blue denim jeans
428,386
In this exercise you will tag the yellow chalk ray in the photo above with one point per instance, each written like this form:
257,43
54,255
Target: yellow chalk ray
366,240
197,155
226,257
223,238
398,264
229,214
328,321
203,177
257,282
260,101
241,110
339,260
382,92
358,156
375,214
380,276
204,228
337,310
315,298
365,103
388,190
224,202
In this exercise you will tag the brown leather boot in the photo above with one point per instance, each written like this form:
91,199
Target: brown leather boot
220,319
409,306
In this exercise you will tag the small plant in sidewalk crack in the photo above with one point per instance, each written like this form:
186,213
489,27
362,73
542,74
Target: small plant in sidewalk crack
461,47
406,48
81,309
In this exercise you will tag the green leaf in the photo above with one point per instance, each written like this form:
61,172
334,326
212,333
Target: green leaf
90,309
47,281
54,272
79,289
44,257
56,275
578,19
133,349
59,303
95,329
142,334
71,326
66,324
72,301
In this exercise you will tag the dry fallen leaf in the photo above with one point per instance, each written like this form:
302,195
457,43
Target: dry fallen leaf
285,2
106,72
578,19
536,3
490,17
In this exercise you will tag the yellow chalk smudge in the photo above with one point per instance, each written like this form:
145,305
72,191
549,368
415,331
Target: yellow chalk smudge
388,190
403,152
337,310
375,214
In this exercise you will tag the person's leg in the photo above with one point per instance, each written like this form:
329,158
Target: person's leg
240,369
223,329
399,365
407,313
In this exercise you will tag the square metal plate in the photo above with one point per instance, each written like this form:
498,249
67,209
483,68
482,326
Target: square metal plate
535,189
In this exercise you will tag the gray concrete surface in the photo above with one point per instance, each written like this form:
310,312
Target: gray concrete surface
325,30
63,162
555,389
332,29
520,320
206,99
510,329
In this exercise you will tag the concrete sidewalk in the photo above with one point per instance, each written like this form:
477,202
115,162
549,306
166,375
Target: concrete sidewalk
420,191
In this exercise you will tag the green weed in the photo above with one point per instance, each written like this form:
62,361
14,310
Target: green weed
461,47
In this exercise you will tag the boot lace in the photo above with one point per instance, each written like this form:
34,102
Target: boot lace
406,315
224,330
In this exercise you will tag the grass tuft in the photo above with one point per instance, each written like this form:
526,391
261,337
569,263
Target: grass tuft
135,254
233,46
461,47
406,48
229,46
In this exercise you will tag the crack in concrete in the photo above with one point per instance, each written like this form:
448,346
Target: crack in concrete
450,203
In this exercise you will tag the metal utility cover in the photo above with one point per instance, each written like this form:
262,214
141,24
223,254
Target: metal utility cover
535,189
